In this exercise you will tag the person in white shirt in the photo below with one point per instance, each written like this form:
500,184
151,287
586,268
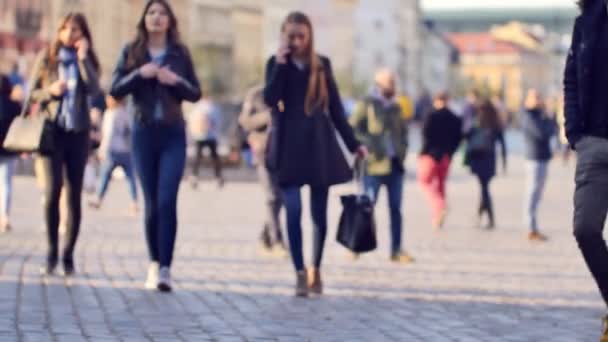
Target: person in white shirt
115,150
203,124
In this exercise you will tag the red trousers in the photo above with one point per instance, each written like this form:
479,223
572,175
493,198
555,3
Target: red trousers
432,176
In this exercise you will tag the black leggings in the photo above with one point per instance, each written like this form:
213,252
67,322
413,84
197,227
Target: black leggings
198,158
66,163
485,205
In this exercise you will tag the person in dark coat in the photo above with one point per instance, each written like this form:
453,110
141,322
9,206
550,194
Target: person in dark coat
9,110
538,128
586,112
481,156
441,135
303,149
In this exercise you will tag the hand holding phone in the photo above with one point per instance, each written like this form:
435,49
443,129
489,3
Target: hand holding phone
284,52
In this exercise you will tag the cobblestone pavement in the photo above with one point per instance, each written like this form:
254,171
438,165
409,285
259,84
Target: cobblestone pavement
467,284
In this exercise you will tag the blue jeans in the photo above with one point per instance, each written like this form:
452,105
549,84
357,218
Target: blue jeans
114,160
159,153
7,170
318,206
536,177
394,187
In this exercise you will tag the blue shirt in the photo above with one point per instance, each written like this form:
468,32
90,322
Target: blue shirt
158,108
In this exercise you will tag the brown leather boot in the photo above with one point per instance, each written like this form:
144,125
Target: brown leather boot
315,284
301,284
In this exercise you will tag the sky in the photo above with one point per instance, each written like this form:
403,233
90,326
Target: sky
462,4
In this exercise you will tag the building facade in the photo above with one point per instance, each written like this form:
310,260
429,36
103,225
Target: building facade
438,61
388,35
500,67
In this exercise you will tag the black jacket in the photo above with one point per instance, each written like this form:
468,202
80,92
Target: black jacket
9,110
441,134
538,131
578,72
303,149
146,92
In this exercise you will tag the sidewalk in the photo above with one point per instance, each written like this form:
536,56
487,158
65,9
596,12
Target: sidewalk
467,284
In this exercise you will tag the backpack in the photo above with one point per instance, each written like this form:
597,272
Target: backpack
481,142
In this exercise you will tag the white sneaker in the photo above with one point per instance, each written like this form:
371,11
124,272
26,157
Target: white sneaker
152,280
164,280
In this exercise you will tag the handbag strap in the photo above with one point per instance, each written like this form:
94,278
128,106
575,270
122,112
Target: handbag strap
36,70
360,170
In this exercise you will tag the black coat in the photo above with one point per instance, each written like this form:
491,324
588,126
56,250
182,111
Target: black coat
441,134
126,80
9,110
303,149
578,72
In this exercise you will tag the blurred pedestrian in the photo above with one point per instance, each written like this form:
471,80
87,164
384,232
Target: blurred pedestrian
303,150
256,121
157,71
482,138
115,150
469,113
586,107
64,78
204,124
441,135
424,105
539,128
379,123
9,110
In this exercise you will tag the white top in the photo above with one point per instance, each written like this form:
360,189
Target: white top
116,131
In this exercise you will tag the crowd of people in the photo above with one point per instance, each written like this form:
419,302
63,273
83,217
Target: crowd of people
291,121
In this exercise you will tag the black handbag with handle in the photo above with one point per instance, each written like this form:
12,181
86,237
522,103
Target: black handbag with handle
357,227
31,132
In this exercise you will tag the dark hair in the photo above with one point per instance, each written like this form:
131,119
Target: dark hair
80,20
488,116
139,47
317,94
584,4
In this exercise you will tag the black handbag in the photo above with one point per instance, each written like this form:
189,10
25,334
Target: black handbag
357,227
31,132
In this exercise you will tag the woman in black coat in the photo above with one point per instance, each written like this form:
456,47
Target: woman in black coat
303,148
481,154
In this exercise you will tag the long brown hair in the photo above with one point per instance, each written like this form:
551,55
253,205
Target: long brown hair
80,20
317,95
139,48
488,116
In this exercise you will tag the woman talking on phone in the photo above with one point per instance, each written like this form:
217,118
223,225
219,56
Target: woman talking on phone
303,149
64,77
156,69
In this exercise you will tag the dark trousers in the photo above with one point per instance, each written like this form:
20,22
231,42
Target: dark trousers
211,144
292,200
486,205
591,207
159,152
272,233
394,187
69,158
